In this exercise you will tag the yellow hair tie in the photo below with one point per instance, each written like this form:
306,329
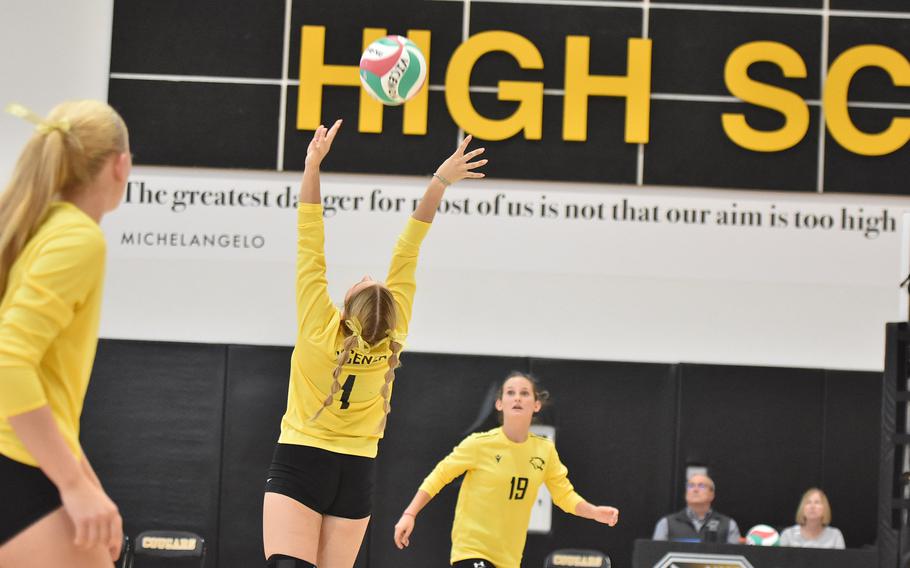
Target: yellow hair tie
397,337
353,324
41,125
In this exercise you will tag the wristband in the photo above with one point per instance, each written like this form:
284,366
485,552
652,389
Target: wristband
444,181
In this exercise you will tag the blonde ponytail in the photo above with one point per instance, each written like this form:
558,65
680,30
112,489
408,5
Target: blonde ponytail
65,153
347,346
387,387
370,318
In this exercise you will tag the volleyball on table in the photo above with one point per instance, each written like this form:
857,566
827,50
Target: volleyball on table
762,535
393,69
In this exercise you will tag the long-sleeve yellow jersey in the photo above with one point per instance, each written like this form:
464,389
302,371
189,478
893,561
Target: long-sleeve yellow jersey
49,317
500,485
349,425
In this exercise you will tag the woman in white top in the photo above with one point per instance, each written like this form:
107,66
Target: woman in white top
813,520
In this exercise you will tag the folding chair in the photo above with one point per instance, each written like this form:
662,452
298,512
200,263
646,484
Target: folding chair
169,547
577,558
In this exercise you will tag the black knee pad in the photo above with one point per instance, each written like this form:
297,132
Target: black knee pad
282,561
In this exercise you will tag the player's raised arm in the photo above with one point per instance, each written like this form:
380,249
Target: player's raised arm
317,150
455,168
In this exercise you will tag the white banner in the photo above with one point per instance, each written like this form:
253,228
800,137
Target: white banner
549,270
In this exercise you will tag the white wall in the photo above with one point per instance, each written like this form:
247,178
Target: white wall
52,50
595,289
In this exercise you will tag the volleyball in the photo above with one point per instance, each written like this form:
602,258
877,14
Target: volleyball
393,69
762,535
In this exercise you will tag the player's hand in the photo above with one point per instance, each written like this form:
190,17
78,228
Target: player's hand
459,166
403,529
321,144
95,517
606,515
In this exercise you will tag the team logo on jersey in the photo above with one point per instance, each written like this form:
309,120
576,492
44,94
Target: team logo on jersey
498,457
537,463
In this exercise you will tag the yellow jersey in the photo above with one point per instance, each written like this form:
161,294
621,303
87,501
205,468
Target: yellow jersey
348,425
500,485
49,317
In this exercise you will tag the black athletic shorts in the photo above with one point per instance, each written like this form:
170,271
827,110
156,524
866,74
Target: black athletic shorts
473,563
327,482
26,495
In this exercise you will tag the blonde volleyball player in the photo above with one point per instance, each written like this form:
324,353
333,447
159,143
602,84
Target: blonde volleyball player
504,468
73,170
318,493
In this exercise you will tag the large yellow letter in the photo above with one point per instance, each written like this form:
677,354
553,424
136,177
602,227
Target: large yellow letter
837,88
635,87
529,115
315,74
789,104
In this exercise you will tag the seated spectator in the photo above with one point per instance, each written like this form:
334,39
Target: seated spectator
698,522
813,520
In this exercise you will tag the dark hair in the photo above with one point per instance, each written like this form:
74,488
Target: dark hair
541,395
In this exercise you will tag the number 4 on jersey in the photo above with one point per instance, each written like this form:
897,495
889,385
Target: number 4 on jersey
346,389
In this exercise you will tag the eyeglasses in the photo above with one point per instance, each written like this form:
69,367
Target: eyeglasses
700,485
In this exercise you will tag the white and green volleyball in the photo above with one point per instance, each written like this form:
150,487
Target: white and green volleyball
393,69
762,535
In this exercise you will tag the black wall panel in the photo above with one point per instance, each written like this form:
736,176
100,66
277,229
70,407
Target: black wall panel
615,431
256,397
181,435
693,63
852,173
759,431
709,158
391,151
168,121
608,27
774,3
181,74
345,20
198,38
873,5
151,427
606,152
853,406
437,401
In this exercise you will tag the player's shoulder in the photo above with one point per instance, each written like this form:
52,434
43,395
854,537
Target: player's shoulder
481,437
64,221
544,440
487,434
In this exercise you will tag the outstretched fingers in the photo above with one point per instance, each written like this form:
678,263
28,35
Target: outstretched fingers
464,145
330,135
474,153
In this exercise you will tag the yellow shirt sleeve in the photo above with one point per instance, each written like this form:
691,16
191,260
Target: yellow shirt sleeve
400,279
314,306
557,481
456,463
67,268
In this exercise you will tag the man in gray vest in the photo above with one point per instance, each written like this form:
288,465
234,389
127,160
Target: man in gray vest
698,522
